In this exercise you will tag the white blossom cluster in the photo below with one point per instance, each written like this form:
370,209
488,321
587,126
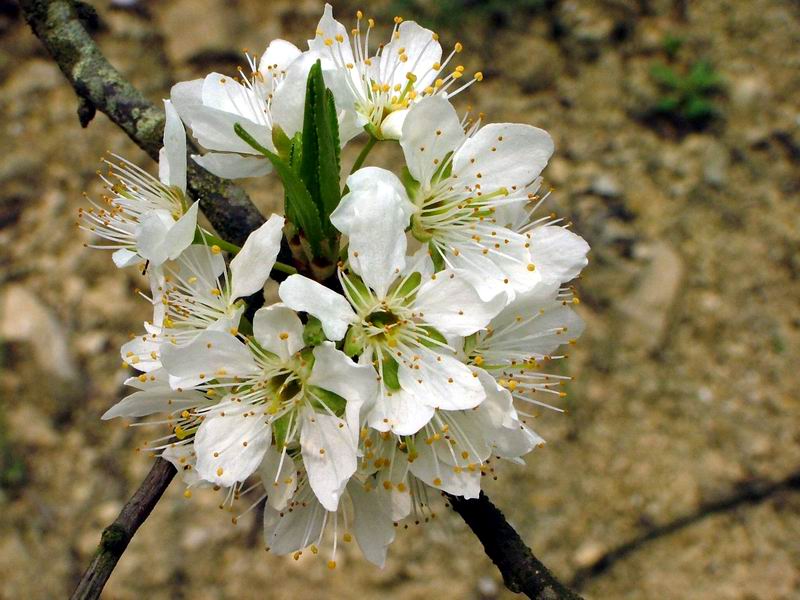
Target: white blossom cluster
414,371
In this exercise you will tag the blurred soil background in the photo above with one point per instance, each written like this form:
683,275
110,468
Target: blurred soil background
677,130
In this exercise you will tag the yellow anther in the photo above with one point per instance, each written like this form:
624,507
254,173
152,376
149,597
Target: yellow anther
478,360
314,549
478,76
192,280
234,331
398,20
437,481
215,249
283,335
331,564
187,493
531,267
458,47
328,42
347,537
216,292
387,485
460,68
339,38
219,471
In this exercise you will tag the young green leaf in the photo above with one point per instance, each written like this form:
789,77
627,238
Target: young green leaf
300,208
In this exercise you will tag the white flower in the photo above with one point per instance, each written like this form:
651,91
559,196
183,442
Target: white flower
522,339
302,523
392,318
144,218
272,94
210,107
451,452
461,181
404,70
274,390
559,254
196,292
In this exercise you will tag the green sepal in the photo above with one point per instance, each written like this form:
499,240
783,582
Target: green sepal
335,403
469,343
418,230
353,342
436,257
300,207
313,335
280,429
390,378
412,185
408,286
435,335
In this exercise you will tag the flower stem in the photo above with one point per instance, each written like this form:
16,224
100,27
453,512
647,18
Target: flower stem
284,268
202,236
364,152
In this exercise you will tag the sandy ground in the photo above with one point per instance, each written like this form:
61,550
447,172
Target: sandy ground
686,379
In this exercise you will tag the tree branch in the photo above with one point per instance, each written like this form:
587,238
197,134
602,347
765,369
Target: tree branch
57,23
522,571
117,536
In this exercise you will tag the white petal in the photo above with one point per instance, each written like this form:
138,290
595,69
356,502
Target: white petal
452,305
441,381
374,215
151,234
289,531
288,101
503,155
431,130
181,234
172,158
421,48
509,437
430,469
329,455
186,94
559,254
211,355
278,329
213,128
392,126
329,28
250,268
279,476
143,352
278,55
154,397
399,411
233,166
357,384
200,270
230,443
125,258
184,460
372,524
333,310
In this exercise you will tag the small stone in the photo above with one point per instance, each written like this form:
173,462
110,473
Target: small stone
588,554
606,186
24,318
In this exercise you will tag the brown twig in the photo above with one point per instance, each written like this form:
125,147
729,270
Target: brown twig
117,536
57,23
522,571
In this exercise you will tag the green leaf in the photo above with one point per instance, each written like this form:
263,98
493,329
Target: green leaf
300,208
321,165
329,153
665,75
282,143
309,162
